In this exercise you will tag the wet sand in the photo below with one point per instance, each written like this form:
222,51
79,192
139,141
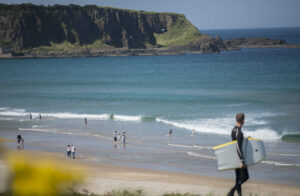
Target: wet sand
102,178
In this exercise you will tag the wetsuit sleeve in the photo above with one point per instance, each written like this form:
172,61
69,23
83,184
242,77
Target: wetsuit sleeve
239,138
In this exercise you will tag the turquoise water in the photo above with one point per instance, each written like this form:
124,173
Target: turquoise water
201,92
146,96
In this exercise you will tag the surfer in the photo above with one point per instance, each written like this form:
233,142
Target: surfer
30,116
40,116
170,132
241,174
85,121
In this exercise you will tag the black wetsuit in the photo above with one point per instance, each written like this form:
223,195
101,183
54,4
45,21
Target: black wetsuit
19,138
241,174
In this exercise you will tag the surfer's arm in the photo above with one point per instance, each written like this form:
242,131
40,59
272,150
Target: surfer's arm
239,139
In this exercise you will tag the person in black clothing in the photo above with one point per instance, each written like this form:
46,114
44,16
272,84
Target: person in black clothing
20,139
241,174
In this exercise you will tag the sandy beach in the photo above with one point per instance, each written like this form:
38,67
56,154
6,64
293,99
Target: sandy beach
103,178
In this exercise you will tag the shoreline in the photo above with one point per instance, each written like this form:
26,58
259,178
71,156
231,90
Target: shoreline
83,53
102,178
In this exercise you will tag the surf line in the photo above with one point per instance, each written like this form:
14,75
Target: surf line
282,154
190,146
280,164
201,155
180,145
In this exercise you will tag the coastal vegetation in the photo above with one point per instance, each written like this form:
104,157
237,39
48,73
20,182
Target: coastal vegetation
76,31
63,27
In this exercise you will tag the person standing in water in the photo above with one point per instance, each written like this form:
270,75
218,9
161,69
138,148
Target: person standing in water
85,121
119,137
73,149
20,139
241,174
69,151
40,116
193,132
124,137
115,136
30,116
170,132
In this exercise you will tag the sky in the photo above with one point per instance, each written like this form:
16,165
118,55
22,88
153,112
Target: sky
207,14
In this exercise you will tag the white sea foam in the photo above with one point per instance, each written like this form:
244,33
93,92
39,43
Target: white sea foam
46,130
281,164
6,118
201,155
180,145
68,115
222,126
202,147
265,134
75,116
284,154
12,112
199,126
56,131
127,118
38,126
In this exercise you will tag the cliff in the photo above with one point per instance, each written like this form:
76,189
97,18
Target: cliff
61,27
66,31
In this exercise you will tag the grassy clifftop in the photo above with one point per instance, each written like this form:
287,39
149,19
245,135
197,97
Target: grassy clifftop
59,27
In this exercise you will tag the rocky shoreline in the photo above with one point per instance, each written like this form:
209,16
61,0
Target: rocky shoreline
220,45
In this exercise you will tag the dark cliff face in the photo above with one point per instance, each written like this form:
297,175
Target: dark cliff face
26,26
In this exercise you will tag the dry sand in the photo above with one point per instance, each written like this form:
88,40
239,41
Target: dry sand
102,178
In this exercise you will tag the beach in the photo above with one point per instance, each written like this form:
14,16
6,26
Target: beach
103,178
55,102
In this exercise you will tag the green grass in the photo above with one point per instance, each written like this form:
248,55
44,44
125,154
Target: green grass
181,33
64,46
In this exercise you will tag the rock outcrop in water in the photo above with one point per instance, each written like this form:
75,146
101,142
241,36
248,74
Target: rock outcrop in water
58,31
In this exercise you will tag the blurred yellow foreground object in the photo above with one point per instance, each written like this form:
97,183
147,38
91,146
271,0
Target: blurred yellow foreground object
41,177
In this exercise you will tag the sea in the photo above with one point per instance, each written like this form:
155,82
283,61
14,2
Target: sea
146,96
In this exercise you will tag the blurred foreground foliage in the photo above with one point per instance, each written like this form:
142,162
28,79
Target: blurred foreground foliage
30,176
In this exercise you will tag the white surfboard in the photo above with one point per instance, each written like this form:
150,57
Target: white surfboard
227,156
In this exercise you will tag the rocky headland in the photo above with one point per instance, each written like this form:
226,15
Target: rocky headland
28,30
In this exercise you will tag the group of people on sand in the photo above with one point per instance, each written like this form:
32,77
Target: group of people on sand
119,138
71,151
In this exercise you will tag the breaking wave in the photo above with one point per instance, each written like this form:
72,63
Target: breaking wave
221,126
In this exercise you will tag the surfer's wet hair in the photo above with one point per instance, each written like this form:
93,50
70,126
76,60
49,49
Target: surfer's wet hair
240,117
